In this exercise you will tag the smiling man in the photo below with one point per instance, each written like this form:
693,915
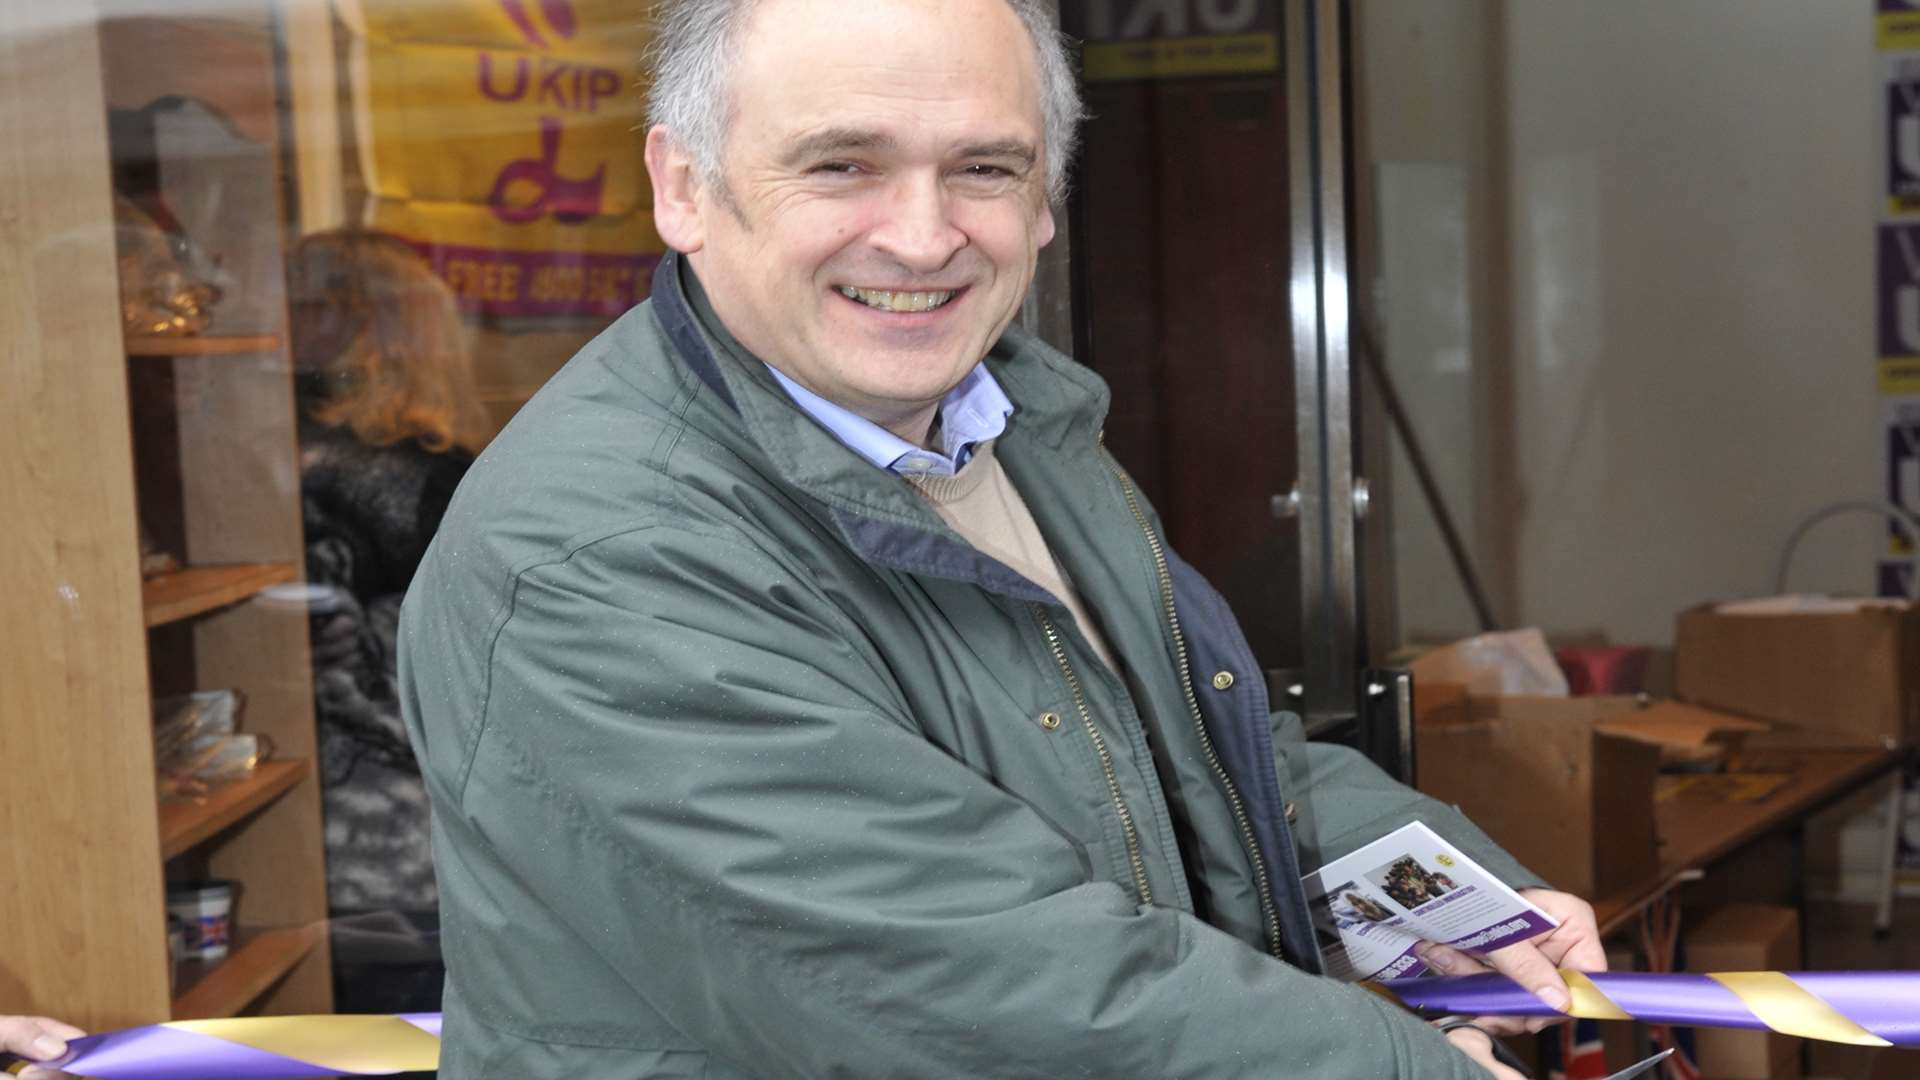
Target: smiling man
802,689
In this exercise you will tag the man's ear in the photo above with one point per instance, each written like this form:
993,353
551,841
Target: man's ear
676,185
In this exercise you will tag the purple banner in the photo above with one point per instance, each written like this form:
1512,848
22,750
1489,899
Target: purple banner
1894,579
542,282
1898,289
1903,138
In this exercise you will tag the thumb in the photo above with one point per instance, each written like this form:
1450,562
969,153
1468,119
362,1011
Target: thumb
1527,965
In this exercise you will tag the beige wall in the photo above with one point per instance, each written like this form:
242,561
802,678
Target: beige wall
1625,252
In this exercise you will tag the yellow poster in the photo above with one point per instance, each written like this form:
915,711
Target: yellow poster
1896,26
505,138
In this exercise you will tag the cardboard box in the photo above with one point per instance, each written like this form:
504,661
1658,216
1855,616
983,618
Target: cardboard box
1572,803
1684,733
1745,937
1849,670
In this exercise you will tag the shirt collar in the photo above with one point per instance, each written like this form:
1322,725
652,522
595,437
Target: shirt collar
971,413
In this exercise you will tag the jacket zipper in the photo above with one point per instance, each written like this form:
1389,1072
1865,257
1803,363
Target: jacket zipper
1106,757
1193,707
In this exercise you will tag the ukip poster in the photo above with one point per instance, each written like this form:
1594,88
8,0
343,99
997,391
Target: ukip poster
504,139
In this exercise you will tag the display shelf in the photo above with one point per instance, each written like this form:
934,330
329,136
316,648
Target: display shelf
192,441
184,824
153,346
257,960
199,589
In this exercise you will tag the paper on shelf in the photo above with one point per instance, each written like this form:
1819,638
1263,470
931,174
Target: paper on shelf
1373,907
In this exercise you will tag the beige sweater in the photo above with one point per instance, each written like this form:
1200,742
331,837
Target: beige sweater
982,505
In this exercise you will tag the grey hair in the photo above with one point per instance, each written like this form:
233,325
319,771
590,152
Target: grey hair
695,42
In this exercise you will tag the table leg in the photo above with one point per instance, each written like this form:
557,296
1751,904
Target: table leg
1890,854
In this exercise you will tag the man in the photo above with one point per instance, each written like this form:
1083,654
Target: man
800,696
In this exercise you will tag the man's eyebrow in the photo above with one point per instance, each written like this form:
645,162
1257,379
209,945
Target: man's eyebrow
1003,149
830,141
840,140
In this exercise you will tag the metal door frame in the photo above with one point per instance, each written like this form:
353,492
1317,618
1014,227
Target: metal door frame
1329,501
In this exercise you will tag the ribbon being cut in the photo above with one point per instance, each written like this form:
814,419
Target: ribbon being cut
258,1048
1867,1008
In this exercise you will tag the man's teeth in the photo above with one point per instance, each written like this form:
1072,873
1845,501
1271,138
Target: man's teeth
888,300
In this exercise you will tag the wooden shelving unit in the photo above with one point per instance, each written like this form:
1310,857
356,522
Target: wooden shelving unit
200,589
257,960
102,442
156,347
185,824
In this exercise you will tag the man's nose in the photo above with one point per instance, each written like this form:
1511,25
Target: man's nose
918,229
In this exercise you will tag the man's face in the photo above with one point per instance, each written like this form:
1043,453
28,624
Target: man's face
884,198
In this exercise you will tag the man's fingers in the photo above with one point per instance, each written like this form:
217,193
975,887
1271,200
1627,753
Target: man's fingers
60,1030
1527,965
1448,960
1576,942
1478,1045
36,1037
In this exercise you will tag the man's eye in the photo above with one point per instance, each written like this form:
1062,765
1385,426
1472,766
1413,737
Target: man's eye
835,168
988,172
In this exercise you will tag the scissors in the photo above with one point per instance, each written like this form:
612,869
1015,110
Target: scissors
1644,1067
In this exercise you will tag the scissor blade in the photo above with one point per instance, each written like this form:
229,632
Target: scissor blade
1643,1068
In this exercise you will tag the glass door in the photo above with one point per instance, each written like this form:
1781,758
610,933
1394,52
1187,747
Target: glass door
1209,257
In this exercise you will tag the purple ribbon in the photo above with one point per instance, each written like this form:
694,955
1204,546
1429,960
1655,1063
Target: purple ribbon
1886,1003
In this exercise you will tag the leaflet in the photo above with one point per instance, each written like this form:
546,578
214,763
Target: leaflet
1371,908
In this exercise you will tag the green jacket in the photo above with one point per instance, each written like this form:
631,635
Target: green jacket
743,764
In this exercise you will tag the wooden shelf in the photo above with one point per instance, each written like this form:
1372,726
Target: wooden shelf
184,824
257,960
198,589
153,346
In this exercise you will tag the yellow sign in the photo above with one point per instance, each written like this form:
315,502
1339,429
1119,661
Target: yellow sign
1174,57
1897,30
504,137
1900,374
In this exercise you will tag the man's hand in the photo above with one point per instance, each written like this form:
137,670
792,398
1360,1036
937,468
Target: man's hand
1478,1045
37,1039
1535,963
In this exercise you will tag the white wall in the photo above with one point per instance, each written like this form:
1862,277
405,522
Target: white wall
1666,314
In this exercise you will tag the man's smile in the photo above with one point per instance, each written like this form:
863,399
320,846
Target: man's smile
898,300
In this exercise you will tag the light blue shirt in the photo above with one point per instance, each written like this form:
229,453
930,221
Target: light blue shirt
971,413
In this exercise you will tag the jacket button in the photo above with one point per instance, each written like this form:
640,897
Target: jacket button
1050,720
1223,680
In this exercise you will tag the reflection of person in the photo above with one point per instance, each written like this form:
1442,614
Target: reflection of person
389,420
801,696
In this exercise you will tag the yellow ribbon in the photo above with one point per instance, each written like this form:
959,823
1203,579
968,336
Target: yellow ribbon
1588,1002
348,1044
1779,1002
1784,1006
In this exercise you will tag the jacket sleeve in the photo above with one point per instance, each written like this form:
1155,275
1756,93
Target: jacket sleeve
1344,802
707,775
